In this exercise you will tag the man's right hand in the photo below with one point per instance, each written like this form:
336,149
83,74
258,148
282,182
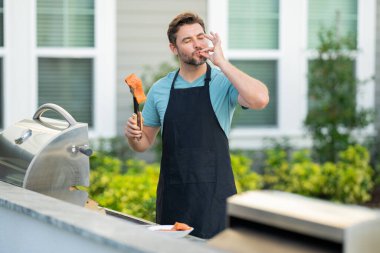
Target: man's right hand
132,131
139,140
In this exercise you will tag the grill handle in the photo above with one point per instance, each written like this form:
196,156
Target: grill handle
25,135
84,149
49,106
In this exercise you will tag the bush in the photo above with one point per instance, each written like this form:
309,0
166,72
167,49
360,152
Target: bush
299,175
134,191
347,181
245,179
354,181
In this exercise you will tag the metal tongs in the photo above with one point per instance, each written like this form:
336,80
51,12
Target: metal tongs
136,110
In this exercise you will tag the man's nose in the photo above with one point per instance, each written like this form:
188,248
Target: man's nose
196,44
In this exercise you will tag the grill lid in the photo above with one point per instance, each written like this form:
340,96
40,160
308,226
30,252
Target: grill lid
47,155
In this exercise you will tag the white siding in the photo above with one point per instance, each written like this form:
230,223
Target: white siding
142,41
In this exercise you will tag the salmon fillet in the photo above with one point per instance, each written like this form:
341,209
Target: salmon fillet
178,226
135,84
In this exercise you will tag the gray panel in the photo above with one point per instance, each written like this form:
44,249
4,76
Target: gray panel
377,70
1,94
142,41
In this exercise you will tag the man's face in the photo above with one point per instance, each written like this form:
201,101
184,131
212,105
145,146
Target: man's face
190,40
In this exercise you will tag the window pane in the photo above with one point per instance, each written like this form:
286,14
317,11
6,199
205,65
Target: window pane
327,13
65,23
1,23
67,83
253,24
265,71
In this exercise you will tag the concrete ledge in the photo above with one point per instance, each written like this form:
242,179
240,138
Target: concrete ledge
32,222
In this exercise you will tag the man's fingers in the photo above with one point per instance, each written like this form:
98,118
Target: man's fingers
213,37
210,38
216,35
132,125
131,129
132,133
207,49
133,119
206,52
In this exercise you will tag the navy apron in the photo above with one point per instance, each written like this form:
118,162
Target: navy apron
196,175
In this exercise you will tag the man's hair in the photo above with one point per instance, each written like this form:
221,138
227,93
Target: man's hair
186,18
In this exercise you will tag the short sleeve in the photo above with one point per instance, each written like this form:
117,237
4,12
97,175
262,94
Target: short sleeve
233,95
149,113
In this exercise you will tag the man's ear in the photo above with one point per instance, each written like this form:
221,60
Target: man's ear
173,48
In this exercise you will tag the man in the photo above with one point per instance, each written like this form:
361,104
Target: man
195,105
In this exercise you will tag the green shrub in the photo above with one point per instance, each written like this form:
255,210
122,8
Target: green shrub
347,181
276,169
133,192
299,175
354,175
105,163
245,179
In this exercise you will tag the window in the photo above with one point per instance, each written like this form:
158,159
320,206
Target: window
253,24
67,82
59,51
66,25
273,41
326,13
266,71
341,14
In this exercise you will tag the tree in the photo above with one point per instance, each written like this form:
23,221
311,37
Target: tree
333,114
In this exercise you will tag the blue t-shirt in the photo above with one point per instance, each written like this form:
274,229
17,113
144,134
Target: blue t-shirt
223,97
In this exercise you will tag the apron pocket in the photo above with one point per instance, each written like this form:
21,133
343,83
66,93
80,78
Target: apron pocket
194,166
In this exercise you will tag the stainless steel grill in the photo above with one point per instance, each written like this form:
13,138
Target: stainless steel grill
47,155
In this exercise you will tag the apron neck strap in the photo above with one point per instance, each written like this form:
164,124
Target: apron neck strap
208,75
207,78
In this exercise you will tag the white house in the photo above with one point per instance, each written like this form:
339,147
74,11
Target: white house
76,53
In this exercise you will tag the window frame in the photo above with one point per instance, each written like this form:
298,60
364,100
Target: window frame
22,57
254,55
292,81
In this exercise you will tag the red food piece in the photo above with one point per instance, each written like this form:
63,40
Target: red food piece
136,87
178,226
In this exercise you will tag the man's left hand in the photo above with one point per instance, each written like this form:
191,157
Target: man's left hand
214,53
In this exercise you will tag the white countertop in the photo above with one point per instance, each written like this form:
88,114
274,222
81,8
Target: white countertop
24,213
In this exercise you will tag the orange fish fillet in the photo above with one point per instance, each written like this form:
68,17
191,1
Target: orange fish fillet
135,84
178,226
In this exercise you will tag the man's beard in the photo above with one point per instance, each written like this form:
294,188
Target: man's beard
191,60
